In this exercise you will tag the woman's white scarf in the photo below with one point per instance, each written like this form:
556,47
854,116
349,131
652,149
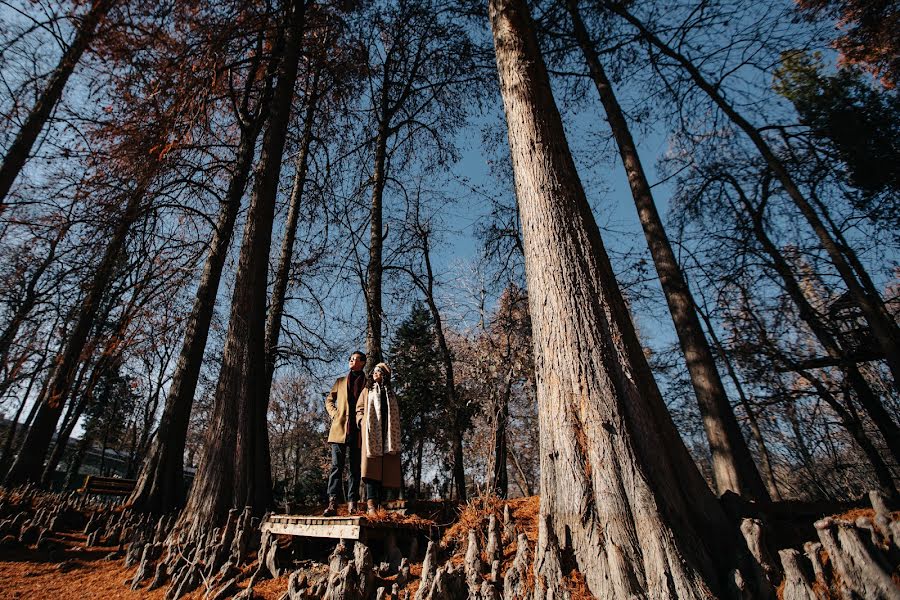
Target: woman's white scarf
375,446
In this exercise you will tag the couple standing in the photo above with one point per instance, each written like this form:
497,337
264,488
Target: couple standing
365,434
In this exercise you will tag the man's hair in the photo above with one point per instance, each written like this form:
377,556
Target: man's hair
362,355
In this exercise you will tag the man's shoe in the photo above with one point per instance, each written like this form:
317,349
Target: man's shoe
331,509
351,507
372,507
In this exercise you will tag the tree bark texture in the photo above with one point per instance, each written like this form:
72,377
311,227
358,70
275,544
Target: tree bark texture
882,326
732,464
619,491
160,485
235,470
19,151
27,466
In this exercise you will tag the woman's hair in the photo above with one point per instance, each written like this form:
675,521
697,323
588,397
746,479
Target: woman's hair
385,375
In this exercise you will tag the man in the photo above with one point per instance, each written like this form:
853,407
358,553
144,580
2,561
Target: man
343,435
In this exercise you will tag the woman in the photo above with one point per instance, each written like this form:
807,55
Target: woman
378,420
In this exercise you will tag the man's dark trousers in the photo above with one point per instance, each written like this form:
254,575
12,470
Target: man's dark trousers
339,455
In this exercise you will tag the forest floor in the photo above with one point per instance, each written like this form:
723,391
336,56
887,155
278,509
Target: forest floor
66,568
72,571
61,565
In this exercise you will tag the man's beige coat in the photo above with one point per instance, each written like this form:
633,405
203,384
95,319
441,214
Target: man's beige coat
340,410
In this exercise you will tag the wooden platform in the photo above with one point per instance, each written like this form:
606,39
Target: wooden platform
348,528
107,486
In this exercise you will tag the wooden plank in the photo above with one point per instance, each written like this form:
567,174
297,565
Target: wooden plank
348,532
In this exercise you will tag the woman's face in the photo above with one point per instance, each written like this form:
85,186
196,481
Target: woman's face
377,375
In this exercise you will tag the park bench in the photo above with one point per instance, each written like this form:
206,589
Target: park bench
107,486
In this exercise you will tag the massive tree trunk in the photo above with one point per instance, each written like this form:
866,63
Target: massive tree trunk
20,149
234,471
732,463
27,466
882,326
160,485
620,493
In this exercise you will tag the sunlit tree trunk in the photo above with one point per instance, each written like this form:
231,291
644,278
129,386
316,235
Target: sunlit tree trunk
765,460
620,493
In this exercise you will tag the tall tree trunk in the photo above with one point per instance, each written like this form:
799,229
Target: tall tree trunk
376,240
62,436
620,493
23,309
456,434
235,470
498,477
27,466
280,284
20,149
160,486
872,405
882,326
732,463
761,448
32,412
851,421
14,424
79,402
420,449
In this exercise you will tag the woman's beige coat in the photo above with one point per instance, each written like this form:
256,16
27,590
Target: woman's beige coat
386,468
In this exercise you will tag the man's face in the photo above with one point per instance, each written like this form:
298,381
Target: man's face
357,363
